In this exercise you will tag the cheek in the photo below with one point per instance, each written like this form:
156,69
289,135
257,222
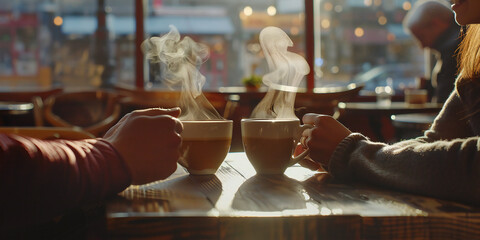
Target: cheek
460,19
476,19
470,14
475,10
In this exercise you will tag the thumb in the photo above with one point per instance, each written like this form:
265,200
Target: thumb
174,112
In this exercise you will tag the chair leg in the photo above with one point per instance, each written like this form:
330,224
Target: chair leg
38,111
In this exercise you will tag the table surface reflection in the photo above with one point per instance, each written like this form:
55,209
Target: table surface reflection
302,204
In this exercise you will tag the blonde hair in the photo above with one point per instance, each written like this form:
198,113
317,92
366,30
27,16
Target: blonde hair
469,53
469,62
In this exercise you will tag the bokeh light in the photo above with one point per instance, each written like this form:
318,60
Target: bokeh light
248,11
58,21
271,11
359,32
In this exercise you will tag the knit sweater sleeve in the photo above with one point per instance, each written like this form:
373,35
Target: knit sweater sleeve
41,179
444,163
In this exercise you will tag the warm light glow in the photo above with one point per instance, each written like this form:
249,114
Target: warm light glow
248,11
294,30
218,47
297,21
325,211
325,23
338,8
58,21
337,211
382,20
271,11
242,16
406,6
377,2
335,69
359,32
328,6
367,2
391,37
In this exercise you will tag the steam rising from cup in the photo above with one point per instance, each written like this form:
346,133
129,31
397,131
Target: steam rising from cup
183,58
287,70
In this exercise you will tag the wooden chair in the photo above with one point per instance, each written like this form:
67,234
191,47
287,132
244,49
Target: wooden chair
35,96
27,95
324,100
92,111
138,99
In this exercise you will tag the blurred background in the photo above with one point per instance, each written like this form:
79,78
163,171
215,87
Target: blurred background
91,43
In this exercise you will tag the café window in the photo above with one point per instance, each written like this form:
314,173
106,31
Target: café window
230,29
92,43
364,41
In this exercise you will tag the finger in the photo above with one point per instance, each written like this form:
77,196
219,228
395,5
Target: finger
310,164
110,132
307,132
322,120
303,142
175,124
309,118
165,120
174,141
178,126
113,129
298,149
174,112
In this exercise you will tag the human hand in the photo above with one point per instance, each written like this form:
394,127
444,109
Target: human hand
149,142
323,138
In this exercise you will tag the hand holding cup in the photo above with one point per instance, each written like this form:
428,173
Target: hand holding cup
205,145
324,137
270,143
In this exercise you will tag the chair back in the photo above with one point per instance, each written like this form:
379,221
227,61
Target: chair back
92,111
138,99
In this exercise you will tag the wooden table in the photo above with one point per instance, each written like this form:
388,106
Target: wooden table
376,113
237,204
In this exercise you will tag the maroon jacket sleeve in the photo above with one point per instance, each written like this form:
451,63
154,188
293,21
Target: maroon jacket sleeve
41,179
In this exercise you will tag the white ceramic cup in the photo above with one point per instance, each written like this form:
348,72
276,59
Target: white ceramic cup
270,143
205,145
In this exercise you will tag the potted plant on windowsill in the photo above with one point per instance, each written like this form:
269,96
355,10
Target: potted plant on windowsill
252,83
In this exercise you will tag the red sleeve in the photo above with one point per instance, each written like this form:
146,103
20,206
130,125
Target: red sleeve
40,179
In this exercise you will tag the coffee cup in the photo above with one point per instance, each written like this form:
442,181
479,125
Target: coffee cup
416,96
270,143
205,145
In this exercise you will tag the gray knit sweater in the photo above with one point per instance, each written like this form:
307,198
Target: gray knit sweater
444,163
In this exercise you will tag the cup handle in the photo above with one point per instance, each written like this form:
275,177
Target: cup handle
181,159
297,140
